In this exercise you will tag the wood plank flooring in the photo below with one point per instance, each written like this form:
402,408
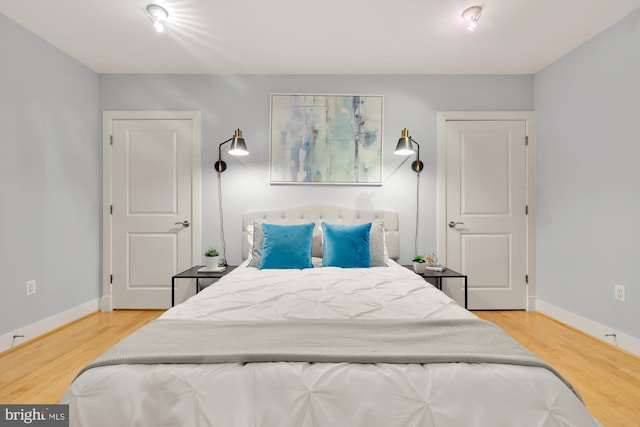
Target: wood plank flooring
40,371
608,379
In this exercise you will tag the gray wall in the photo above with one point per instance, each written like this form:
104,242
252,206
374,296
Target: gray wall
587,115
50,172
229,102
588,179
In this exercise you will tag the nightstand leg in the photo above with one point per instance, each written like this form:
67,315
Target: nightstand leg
465,292
173,287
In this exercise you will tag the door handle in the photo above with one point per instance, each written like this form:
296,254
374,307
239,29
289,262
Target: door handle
453,224
185,224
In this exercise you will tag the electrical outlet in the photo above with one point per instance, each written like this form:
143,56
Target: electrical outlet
31,287
619,292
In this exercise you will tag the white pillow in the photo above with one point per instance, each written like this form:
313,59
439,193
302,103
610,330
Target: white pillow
377,247
257,241
250,239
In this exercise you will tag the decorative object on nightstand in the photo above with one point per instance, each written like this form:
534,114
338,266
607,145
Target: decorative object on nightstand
212,258
432,263
217,269
431,259
238,148
419,264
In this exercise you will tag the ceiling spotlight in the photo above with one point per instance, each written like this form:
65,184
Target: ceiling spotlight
472,15
158,15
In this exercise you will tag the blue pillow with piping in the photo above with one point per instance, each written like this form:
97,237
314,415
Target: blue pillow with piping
346,246
286,246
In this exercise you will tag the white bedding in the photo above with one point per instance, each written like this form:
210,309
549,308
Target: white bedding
322,394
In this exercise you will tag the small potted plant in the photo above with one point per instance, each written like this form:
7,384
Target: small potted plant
419,264
212,258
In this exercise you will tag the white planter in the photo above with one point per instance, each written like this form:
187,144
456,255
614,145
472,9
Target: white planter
212,261
419,267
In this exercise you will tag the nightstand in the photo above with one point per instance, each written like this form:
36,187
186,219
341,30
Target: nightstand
435,278
193,273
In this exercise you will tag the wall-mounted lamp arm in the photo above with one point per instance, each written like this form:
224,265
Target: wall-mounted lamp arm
417,165
220,165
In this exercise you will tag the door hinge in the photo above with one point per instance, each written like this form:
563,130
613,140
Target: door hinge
111,209
111,278
526,140
526,278
111,139
526,210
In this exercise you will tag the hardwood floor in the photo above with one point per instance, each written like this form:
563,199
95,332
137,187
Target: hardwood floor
40,371
608,379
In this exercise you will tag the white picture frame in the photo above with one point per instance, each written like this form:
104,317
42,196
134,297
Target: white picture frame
326,139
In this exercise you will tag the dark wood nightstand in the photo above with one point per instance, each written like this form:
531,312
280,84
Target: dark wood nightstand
435,278
193,273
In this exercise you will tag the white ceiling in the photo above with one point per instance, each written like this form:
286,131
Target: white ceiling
319,37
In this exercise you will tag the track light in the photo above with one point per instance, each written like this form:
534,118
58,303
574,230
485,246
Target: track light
158,15
472,15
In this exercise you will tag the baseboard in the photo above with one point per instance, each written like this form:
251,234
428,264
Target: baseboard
43,326
531,303
603,333
105,304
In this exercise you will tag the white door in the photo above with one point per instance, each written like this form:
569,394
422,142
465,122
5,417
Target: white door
486,204
152,218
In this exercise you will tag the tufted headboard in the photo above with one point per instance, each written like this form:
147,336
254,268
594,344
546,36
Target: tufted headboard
328,213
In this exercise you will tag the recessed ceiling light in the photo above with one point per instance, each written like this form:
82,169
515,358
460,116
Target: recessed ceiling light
158,15
472,15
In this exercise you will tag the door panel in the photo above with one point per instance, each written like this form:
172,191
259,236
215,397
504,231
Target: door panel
144,250
486,192
480,250
152,158
485,173
151,192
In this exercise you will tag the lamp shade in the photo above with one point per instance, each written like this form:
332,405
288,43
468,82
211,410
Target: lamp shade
404,147
238,147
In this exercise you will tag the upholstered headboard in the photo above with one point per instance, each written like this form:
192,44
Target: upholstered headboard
328,213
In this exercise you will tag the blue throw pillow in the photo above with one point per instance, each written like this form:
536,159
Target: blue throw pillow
346,246
286,246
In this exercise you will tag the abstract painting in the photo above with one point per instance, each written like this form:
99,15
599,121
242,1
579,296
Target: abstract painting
326,139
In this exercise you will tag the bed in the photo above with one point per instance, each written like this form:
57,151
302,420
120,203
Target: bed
324,345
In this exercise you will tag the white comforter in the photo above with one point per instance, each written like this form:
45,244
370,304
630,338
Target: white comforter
322,394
